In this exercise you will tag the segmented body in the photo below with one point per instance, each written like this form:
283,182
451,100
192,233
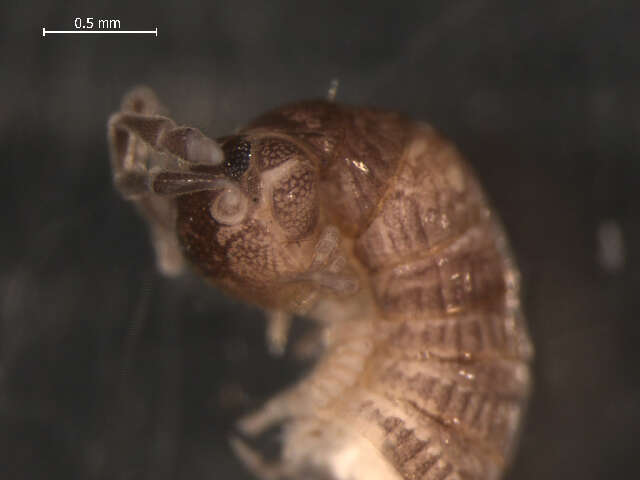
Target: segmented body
373,225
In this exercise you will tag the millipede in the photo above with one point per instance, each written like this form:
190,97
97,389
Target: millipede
372,225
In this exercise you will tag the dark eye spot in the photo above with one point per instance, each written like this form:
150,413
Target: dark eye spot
236,157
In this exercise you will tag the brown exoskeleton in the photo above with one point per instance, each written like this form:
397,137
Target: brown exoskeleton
374,226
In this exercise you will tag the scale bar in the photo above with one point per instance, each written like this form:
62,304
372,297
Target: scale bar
45,31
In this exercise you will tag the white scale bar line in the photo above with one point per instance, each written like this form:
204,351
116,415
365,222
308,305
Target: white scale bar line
45,31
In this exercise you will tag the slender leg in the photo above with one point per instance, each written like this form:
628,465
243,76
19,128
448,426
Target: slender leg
278,324
256,463
337,370
329,267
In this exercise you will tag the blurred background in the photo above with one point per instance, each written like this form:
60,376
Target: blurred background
108,370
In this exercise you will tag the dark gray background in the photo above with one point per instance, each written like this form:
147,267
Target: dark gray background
108,370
